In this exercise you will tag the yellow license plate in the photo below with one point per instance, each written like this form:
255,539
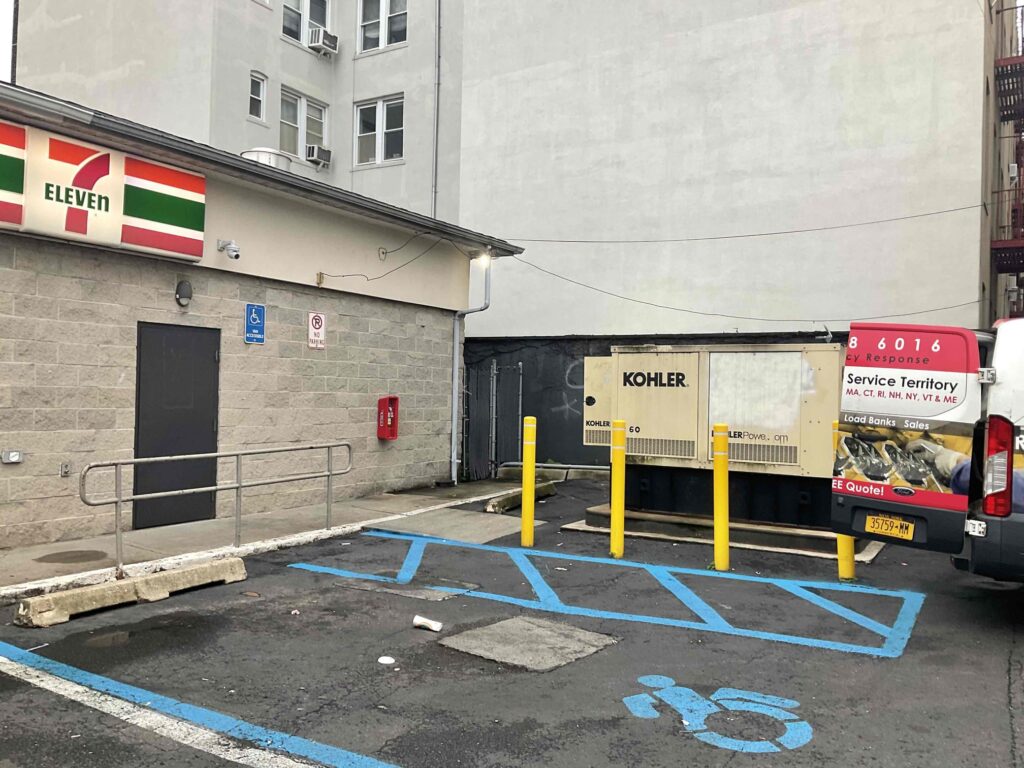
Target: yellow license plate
896,527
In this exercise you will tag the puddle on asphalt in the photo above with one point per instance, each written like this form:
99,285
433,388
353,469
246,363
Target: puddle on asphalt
160,634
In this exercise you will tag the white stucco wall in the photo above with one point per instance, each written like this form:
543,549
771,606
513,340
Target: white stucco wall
650,120
151,65
184,67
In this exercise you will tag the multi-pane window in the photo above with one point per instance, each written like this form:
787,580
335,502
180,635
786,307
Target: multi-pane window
302,122
257,95
290,123
314,124
300,16
380,131
382,23
291,25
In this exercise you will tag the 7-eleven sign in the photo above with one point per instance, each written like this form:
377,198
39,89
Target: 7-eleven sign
59,187
75,190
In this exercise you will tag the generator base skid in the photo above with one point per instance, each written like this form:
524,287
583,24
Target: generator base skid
804,502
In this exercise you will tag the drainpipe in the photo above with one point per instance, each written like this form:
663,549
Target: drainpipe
437,108
455,366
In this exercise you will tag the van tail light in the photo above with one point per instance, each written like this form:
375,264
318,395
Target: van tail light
998,466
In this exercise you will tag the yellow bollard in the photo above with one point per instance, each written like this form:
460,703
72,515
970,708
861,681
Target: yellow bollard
618,510
844,544
720,468
529,478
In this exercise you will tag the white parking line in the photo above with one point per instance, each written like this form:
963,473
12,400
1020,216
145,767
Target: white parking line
187,734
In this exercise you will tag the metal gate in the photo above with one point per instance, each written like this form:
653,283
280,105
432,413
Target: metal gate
492,398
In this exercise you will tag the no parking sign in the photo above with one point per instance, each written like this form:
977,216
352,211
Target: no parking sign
317,330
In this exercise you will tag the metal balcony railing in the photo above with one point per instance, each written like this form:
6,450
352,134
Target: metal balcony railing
1008,215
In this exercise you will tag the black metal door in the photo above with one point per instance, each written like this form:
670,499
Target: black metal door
175,413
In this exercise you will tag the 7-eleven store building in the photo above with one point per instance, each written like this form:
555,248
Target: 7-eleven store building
162,298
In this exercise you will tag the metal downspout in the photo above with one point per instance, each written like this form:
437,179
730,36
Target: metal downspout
455,368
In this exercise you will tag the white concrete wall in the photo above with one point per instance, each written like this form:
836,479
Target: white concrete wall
286,238
151,65
184,67
648,119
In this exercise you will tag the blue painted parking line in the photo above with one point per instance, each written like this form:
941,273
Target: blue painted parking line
893,637
209,719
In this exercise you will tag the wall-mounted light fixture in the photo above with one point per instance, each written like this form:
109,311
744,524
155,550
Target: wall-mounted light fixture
183,293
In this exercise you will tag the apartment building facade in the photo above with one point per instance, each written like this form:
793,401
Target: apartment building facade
707,167
245,75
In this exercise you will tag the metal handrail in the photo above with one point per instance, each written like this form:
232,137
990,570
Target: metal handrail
118,499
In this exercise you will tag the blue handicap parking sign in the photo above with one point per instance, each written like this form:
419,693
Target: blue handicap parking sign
255,323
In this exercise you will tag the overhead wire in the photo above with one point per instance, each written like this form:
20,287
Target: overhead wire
745,235
731,316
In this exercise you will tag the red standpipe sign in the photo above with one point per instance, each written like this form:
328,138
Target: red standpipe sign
910,397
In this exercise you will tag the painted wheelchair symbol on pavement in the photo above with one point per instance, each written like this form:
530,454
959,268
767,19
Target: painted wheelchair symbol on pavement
694,710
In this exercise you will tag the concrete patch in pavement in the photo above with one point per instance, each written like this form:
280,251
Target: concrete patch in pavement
406,590
534,644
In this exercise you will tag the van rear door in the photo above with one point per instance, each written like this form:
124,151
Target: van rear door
910,400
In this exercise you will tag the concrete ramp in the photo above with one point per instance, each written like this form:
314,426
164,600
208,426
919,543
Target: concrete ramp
456,525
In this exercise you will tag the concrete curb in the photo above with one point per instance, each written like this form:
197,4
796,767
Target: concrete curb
57,608
512,499
541,473
15,592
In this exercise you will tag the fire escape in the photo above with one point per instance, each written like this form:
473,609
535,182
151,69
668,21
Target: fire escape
1008,232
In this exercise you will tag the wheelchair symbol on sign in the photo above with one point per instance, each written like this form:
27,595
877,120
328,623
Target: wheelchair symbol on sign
694,710
254,317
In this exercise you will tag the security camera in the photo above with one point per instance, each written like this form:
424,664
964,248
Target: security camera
230,247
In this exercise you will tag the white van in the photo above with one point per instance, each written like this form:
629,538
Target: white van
930,434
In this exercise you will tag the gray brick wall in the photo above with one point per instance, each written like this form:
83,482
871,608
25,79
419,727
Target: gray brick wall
68,325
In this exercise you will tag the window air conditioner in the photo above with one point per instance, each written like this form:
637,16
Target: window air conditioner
1013,172
318,155
322,41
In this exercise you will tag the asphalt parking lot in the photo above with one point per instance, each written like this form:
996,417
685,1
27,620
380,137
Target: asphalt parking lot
918,665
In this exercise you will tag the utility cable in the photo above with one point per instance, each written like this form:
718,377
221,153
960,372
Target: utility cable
734,317
747,234
369,279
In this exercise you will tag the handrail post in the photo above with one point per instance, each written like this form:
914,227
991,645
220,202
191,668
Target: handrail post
330,483
238,501
118,543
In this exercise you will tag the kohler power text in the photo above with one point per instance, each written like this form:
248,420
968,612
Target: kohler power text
653,379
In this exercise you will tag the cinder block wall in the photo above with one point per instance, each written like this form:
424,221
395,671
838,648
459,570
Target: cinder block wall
68,329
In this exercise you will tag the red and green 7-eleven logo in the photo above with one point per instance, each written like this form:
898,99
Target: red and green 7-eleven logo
92,165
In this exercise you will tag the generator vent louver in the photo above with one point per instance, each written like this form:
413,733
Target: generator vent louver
649,446
754,453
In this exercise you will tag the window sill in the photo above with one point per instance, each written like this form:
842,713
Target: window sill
292,41
378,51
375,166
256,120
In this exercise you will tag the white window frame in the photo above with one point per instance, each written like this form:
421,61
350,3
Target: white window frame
258,77
383,21
302,8
379,131
302,138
